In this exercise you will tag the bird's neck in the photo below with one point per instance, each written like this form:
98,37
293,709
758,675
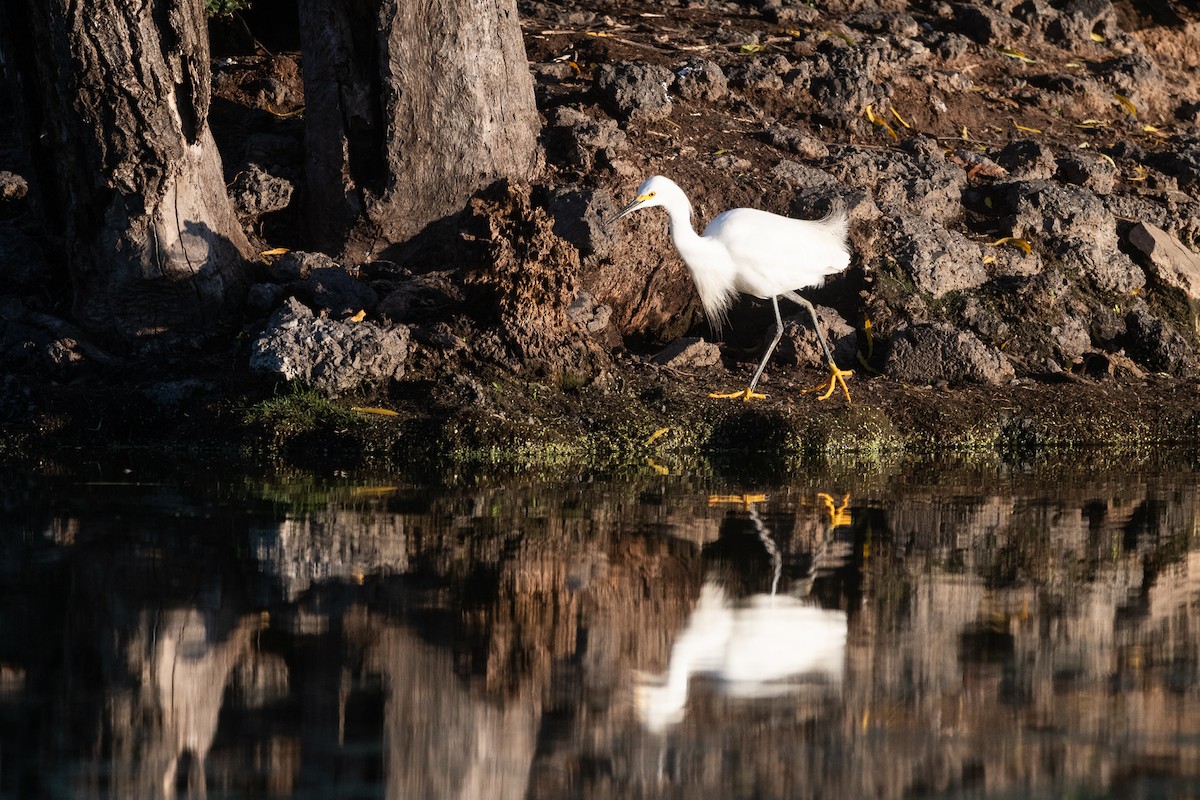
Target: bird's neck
691,245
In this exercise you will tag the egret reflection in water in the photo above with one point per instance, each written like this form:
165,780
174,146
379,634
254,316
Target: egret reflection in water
767,645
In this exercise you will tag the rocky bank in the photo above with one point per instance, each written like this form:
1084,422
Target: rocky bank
1023,186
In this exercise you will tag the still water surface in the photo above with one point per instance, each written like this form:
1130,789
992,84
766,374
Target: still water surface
930,631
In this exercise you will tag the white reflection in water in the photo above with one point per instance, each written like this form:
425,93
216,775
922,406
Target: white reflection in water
758,648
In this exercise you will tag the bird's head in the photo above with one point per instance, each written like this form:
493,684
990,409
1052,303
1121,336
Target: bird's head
656,191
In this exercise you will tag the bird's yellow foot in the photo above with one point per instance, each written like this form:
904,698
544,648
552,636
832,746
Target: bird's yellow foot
837,377
745,394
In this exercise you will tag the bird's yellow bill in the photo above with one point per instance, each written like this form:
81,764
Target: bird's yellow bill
634,206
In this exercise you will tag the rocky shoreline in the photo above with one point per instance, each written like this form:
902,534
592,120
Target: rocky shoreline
1023,186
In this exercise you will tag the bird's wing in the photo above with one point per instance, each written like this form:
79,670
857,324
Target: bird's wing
775,254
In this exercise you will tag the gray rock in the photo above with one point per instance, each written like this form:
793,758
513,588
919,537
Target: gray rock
1089,171
297,265
1028,159
989,26
257,192
790,11
938,260
917,182
1157,346
335,290
688,353
794,141
330,356
802,176
586,312
800,346
926,354
422,296
583,142
1166,258
701,79
854,77
1076,226
757,74
635,90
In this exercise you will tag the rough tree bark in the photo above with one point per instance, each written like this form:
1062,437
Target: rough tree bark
411,108
117,94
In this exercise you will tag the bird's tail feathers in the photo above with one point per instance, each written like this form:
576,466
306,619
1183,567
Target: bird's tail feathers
837,222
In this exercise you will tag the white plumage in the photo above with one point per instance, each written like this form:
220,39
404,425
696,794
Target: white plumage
749,251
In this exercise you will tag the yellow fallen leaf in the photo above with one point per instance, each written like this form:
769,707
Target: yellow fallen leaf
1021,127
1126,103
601,34
903,121
383,412
987,201
1153,131
1018,55
659,468
989,259
1096,37
1073,64
359,317
1109,159
285,114
275,251
751,49
1020,244
877,120
841,36
966,137
794,32
1089,124
1139,173
657,434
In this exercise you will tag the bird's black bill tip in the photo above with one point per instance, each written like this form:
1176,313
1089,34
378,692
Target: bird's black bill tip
624,212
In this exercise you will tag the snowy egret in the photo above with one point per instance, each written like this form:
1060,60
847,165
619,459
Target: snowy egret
748,251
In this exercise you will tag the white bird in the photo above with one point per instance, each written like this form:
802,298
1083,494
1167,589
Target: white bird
749,251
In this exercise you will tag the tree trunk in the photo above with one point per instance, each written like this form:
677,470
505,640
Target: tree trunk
411,108
117,95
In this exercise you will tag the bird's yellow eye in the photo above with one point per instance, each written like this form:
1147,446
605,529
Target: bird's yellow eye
651,194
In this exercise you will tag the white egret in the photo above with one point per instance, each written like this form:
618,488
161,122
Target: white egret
749,251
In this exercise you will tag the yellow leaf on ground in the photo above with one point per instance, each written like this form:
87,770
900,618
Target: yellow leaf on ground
1020,244
275,251
903,121
1096,37
359,317
1021,127
1126,103
383,412
1018,55
1089,124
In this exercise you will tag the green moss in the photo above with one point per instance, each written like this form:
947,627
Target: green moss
299,410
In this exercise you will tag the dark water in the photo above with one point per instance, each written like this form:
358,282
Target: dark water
911,631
